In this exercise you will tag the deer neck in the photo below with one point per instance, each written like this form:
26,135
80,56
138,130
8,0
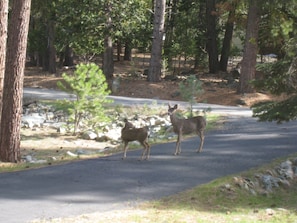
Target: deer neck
174,118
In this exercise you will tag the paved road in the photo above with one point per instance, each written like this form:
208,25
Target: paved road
127,101
109,183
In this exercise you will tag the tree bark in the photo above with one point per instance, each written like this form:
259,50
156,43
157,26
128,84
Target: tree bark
155,68
108,64
249,60
169,30
199,39
128,51
3,40
51,50
13,81
227,39
68,60
119,50
211,46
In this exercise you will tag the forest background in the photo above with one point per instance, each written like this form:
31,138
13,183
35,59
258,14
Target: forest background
180,36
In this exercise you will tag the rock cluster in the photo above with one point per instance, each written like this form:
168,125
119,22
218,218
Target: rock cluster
264,183
38,115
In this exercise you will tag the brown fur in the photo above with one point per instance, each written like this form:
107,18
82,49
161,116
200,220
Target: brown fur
130,133
182,126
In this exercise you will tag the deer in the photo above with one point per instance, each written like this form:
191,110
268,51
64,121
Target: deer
130,133
182,126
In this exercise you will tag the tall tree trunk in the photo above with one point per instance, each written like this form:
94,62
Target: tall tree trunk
155,68
227,39
211,46
49,58
119,50
68,60
169,30
51,48
108,64
3,40
128,50
200,40
249,60
13,81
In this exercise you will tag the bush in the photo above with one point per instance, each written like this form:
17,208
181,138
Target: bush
190,90
89,85
280,77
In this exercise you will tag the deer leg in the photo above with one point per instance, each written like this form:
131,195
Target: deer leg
177,147
125,150
145,150
148,148
148,151
201,135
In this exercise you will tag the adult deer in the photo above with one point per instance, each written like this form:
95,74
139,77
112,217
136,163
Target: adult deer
182,126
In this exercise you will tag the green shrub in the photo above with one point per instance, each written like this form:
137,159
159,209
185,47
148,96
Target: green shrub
89,85
190,90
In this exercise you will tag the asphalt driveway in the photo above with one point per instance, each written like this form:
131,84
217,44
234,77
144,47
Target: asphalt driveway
110,183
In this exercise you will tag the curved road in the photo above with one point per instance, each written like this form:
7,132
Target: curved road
109,183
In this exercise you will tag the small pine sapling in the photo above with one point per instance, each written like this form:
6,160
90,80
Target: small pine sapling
191,89
89,85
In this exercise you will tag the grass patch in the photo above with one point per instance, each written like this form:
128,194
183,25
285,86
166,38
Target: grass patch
212,201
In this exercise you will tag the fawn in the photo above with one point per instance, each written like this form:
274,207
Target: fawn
182,126
130,133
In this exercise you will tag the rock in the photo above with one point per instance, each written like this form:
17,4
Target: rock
28,158
286,164
270,182
61,130
285,169
33,120
71,154
294,162
156,129
107,148
38,161
84,152
89,135
295,170
269,211
285,183
50,116
114,134
102,138
152,121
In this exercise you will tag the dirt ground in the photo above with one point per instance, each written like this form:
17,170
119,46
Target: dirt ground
133,84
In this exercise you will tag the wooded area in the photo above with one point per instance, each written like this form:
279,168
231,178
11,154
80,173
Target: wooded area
209,33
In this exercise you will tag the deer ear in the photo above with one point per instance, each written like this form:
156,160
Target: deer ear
175,106
169,105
